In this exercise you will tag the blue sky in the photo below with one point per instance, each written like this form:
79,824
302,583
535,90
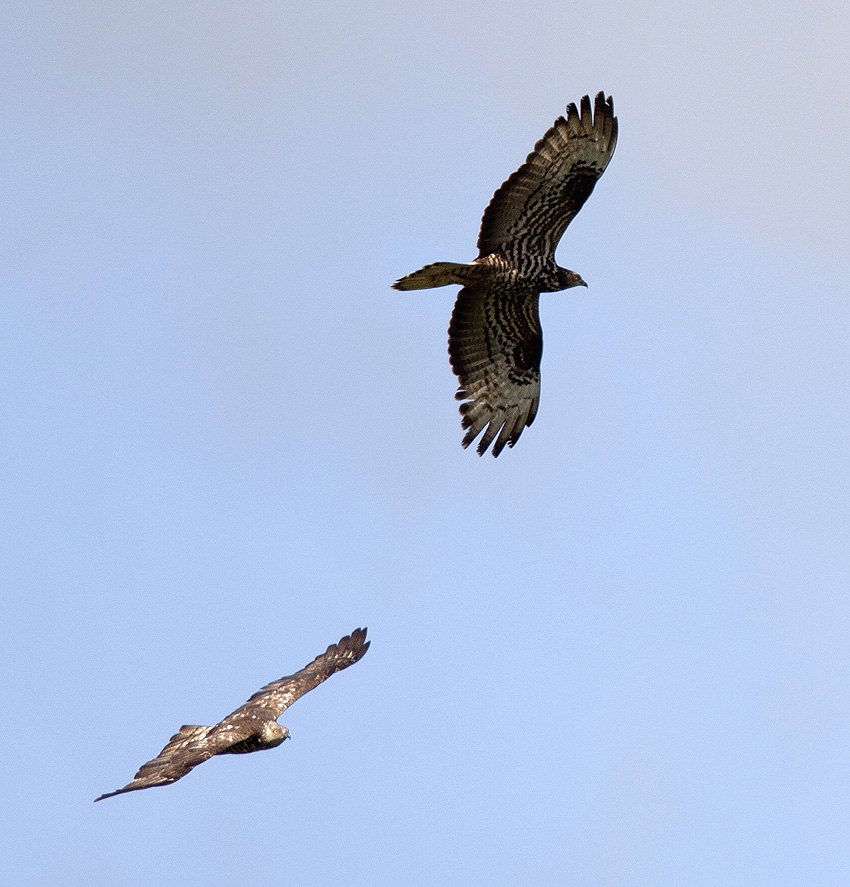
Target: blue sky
617,655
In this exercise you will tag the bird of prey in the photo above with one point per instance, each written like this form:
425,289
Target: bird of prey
252,727
495,340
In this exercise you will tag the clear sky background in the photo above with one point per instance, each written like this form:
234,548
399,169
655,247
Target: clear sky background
617,655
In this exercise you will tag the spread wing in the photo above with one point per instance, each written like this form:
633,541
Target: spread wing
272,700
495,345
187,748
531,210
193,744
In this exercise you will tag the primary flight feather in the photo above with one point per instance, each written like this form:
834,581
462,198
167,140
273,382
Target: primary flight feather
495,339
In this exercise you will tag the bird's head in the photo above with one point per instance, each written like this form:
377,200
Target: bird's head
274,733
568,279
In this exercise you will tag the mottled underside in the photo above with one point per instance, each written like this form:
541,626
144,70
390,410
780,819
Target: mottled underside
495,339
246,729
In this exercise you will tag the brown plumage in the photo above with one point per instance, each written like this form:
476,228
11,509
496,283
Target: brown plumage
495,340
252,727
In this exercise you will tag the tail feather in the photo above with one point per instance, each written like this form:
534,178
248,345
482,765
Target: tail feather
440,274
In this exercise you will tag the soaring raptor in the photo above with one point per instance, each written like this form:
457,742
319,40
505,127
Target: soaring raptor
252,727
495,340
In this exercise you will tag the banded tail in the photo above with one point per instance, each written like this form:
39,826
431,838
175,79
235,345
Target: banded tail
442,274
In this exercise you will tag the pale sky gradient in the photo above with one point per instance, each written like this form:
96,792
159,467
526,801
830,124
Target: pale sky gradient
617,655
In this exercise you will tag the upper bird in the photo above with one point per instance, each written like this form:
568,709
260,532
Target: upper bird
495,340
252,727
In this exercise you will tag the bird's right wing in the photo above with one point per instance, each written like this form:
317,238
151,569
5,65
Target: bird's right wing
273,699
531,210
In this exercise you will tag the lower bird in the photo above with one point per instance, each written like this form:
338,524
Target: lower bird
252,727
495,339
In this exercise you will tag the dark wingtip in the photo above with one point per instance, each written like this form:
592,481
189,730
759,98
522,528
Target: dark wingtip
358,636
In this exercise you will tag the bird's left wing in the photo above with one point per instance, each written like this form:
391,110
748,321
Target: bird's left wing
188,747
495,345
273,699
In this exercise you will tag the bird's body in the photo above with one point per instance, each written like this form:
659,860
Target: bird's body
252,727
495,339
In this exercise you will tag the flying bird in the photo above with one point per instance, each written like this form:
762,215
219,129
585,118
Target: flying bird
495,339
252,727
